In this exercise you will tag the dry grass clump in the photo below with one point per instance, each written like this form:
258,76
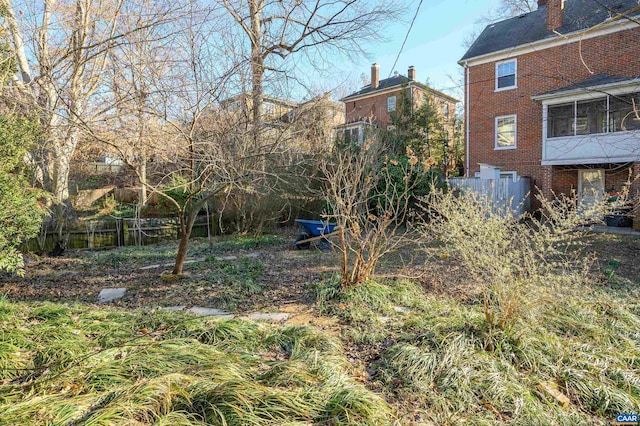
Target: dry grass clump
66,365
545,346
586,346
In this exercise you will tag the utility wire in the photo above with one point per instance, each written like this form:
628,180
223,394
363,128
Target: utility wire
405,38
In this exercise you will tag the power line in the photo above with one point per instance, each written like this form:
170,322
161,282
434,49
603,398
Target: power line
405,38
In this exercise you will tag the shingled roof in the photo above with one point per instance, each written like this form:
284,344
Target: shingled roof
600,80
386,83
396,80
532,27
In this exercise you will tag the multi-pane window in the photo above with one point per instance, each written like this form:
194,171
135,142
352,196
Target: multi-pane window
351,135
268,108
506,74
506,132
603,115
391,103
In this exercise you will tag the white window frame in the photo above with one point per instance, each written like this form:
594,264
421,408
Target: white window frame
515,133
268,108
389,103
515,75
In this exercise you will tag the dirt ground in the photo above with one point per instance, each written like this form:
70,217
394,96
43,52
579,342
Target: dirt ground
285,276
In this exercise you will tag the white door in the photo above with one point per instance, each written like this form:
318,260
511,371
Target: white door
590,188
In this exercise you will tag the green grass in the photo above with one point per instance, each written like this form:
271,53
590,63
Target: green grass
166,252
69,365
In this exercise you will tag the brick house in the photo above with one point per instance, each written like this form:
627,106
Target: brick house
374,104
554,95
240,108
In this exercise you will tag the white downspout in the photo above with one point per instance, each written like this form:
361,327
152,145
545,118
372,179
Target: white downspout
466,119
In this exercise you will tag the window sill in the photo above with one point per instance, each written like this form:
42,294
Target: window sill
502,89
504,148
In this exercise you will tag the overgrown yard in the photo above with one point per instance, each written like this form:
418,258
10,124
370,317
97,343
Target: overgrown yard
409,351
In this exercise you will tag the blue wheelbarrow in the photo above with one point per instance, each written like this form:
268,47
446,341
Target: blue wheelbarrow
315,230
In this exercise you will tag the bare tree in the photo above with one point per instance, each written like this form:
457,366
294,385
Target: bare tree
277,30
510,8
62,51
369,197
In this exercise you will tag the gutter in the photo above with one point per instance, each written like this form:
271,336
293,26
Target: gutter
604,28
466,118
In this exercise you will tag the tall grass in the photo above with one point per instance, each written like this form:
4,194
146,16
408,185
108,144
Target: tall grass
547,345
107,367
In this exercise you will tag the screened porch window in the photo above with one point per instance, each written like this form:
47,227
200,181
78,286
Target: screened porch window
603,115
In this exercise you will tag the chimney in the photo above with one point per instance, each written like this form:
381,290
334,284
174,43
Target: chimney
542,3
555,10
411,73
375,76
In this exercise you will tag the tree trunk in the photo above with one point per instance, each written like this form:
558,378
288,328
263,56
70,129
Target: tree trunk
186,226
142,176
185,233
62,167
182,250
257,69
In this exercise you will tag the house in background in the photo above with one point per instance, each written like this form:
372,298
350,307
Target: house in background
374,104
240,108
555,95
304,127
313,122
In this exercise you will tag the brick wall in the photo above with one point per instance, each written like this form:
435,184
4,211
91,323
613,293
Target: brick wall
539,72
375,108
566,180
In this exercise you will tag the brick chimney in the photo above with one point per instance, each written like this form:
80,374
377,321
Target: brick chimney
555,10
375,76
542,3
411,73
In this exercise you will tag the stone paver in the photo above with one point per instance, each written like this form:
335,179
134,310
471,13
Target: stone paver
211,312
252,255
173,308
110,294
268,316
146,268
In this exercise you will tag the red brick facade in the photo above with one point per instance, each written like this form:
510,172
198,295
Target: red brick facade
373,106
541,71
371,103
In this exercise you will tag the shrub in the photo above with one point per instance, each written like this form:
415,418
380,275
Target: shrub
510,257
21,212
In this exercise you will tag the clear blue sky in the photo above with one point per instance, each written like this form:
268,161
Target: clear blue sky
435,44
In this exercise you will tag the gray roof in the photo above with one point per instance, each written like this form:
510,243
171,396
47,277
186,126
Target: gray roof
532,27
383,84
396,80
591,82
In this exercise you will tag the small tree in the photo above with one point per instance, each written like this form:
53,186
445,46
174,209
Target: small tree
422,129
370,205
20,211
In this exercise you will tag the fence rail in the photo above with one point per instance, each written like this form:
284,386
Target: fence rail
119,232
